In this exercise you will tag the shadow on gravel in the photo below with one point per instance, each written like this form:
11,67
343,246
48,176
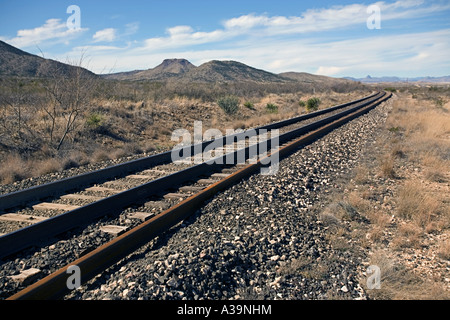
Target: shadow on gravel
156,244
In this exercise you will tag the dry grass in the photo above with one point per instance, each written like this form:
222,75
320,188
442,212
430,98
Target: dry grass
111,128
416,204
398,283
444,250
306,267
13,168
358,201
361,175
404,194
387,169
409,236
48,166
435,167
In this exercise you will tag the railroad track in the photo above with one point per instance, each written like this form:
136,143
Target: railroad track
169,195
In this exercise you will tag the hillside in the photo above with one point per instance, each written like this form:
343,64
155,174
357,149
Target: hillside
214,71
312,78
369,79
230,71
169,68
181,70
15,62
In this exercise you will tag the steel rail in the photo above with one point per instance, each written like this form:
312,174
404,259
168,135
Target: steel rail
20,198
20,239
54,286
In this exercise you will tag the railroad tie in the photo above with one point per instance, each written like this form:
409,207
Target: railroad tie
220,175
14,217
80,197
175,196
206,181
113,229
154,171
139,176
191,189
54,206
157,204
144,216
26,276
103,189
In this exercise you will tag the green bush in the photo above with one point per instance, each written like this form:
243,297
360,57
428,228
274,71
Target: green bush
249,105
94,121
312,104
229,104
302,103
271,108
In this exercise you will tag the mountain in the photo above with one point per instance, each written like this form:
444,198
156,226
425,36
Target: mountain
230,71
369,79
15,62
169,68
312,78
214,71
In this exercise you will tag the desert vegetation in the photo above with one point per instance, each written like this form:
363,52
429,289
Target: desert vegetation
402,189
229,104
72,118
312,104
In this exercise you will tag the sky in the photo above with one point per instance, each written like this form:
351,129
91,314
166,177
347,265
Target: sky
405,38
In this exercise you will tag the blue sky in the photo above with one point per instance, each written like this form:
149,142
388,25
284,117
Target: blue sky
321,37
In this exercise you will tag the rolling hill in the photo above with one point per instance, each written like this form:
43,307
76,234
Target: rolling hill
230,71
213,71
369,79
169,68
15,62
313,79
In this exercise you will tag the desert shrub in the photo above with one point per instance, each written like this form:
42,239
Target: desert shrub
13,169
312,104
249,105
394,129
229,104
302,103
271,108
387,167
416,204
94,121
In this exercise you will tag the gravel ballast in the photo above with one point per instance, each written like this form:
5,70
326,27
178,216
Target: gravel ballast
260,239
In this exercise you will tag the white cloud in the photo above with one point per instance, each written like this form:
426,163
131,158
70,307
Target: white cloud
105,35
254,40
402,54
329,70
179,31
53,30
131,28
312,20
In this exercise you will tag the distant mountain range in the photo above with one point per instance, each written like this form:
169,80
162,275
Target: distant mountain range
213,71
181,70
15,62
369,79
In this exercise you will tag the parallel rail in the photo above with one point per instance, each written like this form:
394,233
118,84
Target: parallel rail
93,263
18,240
56,188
